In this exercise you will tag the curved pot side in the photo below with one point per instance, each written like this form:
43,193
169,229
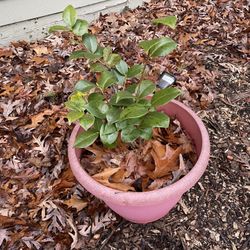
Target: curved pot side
170,194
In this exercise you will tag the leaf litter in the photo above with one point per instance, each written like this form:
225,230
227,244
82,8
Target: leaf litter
210,65
142,165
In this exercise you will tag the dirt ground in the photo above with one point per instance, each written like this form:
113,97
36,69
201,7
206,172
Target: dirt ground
41,204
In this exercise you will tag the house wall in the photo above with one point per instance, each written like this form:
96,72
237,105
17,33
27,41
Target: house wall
30,19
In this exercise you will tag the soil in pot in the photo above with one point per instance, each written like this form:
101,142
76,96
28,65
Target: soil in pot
142,165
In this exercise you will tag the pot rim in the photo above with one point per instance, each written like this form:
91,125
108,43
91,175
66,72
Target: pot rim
139,198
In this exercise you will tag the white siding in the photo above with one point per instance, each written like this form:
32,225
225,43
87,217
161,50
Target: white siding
30,19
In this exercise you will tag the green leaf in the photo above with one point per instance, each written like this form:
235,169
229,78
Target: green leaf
91,56
164,95
74,115
76,102
145,88
168,21
97,67
56,28
90,42
97,124
107,79
113,59
133,111
113,114
134,70
128,123
159,46
120,78
108,134
124,102
131,88
146,133
81,27
97,109
95,97
121,95
130,134
145,102
106,52
87,121
86,138
122,67
155,120
84,86
77,54
69,16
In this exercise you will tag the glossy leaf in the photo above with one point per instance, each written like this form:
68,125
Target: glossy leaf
97,67
159,46
97,109
90,42
76,102
134,70
120,78
74,115
91,56
97,124
128,123
145,88
131,88
81,27
107,79
86,138
106,52
121,95
133,111
122,67
124,102
77,54
146,133
69,16
169,21
108,134
155,120
95,97
113,59
164,95
87,121
113,114
57,27
84,86
130,134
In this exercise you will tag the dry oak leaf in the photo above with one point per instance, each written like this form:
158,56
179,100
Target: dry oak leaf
5,52
39,60
74,202
38,118
41,50
6,221
165,162
105,176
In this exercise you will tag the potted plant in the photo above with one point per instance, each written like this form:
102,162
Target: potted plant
113,108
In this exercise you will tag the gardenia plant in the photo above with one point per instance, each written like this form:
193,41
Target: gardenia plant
109,108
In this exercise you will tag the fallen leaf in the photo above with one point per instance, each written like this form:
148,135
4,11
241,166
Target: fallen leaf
74,202
38,118
41,50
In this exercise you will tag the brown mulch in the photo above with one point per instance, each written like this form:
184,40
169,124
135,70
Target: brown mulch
41,204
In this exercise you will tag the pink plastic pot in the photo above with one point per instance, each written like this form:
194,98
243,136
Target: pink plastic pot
144,207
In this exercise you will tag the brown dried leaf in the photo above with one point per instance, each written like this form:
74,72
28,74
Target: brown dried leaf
74,202
38,118
104,177
41,50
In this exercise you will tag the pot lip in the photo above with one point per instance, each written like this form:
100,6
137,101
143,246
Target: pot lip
135,198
